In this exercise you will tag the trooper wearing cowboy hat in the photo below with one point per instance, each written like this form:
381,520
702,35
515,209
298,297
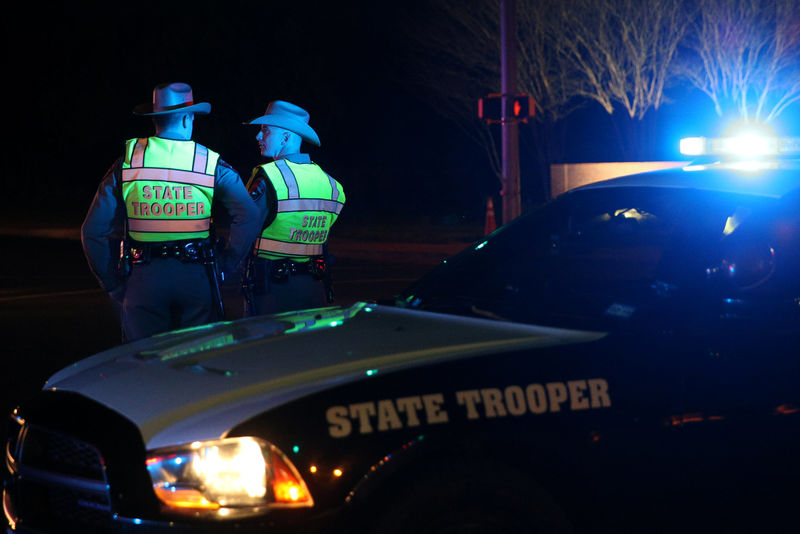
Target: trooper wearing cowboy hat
157,199
299,203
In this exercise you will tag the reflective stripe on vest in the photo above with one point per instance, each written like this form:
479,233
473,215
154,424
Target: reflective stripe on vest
309,202
168,188
287,249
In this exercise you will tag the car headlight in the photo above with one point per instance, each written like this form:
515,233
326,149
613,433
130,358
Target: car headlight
225,475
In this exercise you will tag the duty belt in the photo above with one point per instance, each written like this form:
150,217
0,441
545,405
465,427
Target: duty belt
280,270
185,251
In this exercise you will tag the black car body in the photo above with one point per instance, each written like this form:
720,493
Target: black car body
626,357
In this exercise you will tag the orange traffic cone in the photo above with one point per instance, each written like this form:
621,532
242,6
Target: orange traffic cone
491,223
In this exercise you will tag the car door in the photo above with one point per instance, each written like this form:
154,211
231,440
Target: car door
587,261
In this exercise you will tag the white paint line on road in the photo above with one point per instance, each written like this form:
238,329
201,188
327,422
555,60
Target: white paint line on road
50,295
372,281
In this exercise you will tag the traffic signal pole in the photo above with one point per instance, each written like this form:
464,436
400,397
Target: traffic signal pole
510,128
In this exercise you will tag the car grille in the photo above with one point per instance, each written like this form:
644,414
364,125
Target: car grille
59,453
61,479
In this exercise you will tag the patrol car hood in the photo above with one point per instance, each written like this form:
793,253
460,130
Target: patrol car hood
196,384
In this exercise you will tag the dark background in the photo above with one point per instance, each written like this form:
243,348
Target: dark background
74,72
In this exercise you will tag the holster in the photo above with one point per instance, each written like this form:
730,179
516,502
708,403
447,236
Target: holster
252,284
124,264
254,281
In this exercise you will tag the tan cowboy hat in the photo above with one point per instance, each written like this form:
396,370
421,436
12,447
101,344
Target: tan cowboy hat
172,98
290,117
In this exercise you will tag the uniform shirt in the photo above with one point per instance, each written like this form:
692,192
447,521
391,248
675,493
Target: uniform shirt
104,225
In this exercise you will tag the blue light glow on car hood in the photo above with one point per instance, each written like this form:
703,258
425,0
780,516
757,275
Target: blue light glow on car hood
769,179
196,384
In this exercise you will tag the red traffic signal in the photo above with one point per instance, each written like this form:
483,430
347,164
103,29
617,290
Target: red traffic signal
520,107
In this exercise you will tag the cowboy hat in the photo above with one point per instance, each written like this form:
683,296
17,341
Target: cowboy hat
289,117
172,98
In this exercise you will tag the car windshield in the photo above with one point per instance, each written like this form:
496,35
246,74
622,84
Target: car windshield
593,258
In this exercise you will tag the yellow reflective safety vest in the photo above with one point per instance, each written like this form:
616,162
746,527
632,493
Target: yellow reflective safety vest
309,202
168,186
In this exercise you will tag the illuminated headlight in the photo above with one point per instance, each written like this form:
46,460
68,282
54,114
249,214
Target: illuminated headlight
226,474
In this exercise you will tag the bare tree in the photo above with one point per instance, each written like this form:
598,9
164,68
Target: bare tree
457,61
746,56
544,72
623,49
550,77
467,44
459,44
613,52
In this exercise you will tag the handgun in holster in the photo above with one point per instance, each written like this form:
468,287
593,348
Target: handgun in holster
324,264
216,277
124,263
249,284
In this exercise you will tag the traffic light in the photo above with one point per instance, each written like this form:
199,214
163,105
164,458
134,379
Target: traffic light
520,108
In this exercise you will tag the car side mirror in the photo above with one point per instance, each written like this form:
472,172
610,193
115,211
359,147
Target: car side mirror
744,267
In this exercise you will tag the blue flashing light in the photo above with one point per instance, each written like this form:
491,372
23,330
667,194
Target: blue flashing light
693,146
744,145
137,521
750,145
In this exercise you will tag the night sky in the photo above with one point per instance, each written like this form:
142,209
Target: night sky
75,72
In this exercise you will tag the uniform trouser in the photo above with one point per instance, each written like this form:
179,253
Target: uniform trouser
166,294
296,292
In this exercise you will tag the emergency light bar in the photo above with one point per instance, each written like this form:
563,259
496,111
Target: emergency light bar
743,146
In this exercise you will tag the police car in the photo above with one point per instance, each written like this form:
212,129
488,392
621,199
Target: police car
626,357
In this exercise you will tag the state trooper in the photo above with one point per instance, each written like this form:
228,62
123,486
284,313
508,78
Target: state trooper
148,235
299,203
